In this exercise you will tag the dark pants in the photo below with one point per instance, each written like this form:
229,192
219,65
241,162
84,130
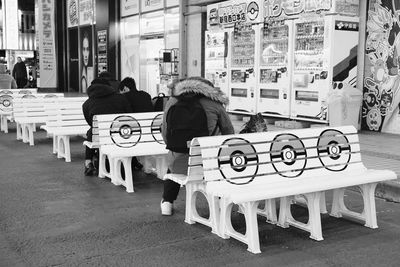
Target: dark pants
21,82
171,190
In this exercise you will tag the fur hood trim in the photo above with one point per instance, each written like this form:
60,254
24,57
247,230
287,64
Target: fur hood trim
199,87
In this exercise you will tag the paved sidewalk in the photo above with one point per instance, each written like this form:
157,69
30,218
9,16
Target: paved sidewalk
52,215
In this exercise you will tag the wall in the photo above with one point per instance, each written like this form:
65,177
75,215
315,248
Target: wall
381,100
194,44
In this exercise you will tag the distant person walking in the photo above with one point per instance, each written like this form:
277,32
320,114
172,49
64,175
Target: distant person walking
6,80
19,73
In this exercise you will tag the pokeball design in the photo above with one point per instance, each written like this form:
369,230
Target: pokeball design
237,159
331,145
25,92
28,96
288,155
5,102
125,131
252,10
155,128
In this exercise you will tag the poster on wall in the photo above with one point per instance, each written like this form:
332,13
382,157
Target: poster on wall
130,59
381,88
129,7
150,5
72,13
85,12
47,51
101,51
73,65
86,57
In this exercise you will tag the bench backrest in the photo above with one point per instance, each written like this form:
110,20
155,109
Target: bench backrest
65,113
127,129
19,91
252,158
35,107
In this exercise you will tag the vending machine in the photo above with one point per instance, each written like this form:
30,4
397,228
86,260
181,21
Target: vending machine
325,51
275,67
242,73
216,65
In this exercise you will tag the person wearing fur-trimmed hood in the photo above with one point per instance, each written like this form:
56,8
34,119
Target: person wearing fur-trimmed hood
213,102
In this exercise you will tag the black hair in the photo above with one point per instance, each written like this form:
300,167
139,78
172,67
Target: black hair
128,82
100,81
106,74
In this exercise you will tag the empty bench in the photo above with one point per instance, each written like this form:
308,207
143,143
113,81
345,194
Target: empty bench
246,169
65,119
123,136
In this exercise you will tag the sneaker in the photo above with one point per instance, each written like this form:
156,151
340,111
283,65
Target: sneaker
90,169
166,208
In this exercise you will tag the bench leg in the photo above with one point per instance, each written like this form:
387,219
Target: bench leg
55,144
116,175
250,213
18,130
269,211
102,165
30,130
313,226
300,200
4,123
191,214
368,216
63,148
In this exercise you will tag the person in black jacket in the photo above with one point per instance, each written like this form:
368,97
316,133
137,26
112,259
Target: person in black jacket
19,73
103,99
140,101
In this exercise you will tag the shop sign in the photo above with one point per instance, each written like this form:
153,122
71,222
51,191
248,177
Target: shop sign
47,63
129,7
150,5
228,13
72,13
85,12
102,51
275,8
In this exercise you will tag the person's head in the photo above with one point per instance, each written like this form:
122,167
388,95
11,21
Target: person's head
19,59
128,84
85,49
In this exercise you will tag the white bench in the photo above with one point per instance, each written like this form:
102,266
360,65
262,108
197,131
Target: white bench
288,165
65,119
123,136
28,111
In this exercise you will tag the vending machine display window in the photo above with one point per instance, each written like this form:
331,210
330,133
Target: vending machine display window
243,46
307,96
269,93
239,92
268,76
274,42
238,76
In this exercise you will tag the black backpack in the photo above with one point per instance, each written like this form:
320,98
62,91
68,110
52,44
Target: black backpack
186,119
159,102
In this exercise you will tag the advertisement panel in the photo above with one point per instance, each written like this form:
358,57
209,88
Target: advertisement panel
129,7
72,13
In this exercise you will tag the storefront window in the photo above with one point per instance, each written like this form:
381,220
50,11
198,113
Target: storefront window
172,28
129,48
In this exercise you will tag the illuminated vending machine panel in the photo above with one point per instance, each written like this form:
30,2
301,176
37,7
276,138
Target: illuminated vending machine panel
242,75
275,68
312,77
215,59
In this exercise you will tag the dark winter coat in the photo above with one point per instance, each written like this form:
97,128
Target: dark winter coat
19,71
217,118
103,99
140,101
